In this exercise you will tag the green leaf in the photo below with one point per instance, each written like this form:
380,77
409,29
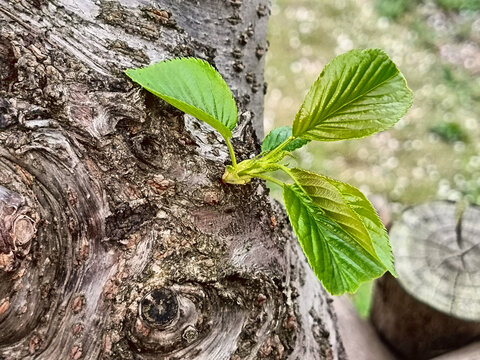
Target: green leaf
335,257
357,94
193,86
368,216
328,198
278,136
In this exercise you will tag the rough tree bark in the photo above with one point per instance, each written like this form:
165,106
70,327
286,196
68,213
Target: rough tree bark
117,238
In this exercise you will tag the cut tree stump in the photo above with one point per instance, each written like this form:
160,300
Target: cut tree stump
470,352
434,305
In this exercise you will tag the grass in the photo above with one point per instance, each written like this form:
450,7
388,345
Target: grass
430,154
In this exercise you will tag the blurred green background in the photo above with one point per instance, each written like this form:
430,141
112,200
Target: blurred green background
433,152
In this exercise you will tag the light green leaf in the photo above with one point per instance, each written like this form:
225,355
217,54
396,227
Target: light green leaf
335,257
327,197
193,86
368,216
357,94
278,136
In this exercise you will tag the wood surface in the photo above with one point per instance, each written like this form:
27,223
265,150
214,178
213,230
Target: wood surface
433,306
117,238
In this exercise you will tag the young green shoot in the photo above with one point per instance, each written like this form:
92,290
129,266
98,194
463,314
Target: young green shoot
357,94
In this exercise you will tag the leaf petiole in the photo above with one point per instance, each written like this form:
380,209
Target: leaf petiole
287,171
232,153
269,178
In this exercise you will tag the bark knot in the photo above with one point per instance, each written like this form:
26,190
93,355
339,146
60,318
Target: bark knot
159,307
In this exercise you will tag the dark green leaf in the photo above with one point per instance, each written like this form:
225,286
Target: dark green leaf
357,94
335,257
193,86
278,136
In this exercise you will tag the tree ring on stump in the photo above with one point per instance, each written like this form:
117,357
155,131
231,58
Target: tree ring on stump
437,253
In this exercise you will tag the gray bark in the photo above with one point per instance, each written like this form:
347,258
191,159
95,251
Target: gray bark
117,238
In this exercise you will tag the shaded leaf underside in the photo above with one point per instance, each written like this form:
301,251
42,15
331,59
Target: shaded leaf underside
325,196
336,259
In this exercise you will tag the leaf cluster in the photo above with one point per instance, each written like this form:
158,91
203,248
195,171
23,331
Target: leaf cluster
357,94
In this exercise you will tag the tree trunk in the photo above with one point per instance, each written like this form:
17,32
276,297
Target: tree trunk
117,238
